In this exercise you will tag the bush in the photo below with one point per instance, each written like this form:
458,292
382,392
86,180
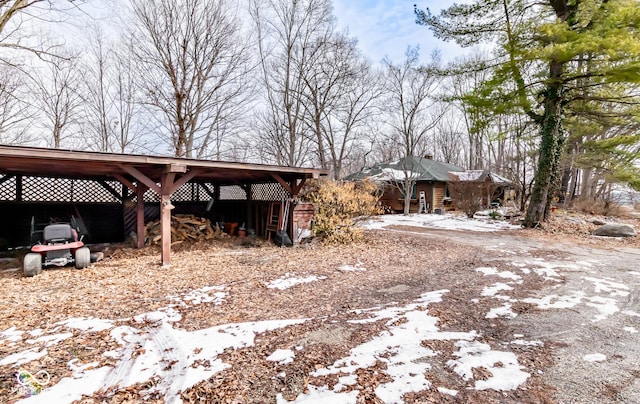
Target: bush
598,206
339,206
468,195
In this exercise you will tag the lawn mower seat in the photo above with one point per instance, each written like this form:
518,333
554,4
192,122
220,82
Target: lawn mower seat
58,233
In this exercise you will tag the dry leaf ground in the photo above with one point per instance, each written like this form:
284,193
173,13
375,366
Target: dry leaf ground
400,266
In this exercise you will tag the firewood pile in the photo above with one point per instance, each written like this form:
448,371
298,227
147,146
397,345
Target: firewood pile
184,227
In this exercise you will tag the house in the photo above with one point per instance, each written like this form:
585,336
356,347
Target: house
427,175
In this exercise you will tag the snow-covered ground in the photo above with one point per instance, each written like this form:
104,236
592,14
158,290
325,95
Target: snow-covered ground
446,221
154,348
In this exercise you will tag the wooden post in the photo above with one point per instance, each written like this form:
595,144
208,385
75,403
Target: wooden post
165,216
140,190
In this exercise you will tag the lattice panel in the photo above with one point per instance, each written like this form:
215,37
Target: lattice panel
268,192
40,189
150,196
92,191
45,189
186,193
203,194
8,189
189,192
232,192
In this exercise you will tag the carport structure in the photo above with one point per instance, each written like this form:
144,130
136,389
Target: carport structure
140,174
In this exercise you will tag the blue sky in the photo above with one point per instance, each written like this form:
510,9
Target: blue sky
387,27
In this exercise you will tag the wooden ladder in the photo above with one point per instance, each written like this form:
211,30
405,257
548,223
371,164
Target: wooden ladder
274,219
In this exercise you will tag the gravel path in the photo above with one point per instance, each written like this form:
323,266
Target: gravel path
594,321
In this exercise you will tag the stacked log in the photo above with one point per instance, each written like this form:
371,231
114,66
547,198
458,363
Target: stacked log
184,227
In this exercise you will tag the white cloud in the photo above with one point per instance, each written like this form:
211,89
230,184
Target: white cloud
386,29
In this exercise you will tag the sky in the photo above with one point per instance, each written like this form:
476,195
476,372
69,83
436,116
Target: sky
385,28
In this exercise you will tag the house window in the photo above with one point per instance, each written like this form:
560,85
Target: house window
413,192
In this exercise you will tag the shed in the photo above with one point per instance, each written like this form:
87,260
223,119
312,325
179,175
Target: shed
118,192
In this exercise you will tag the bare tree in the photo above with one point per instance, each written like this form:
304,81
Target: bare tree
288,33
340,93
193,64
449,139
14,112
110,98
17,21
58,98
476,121
412,112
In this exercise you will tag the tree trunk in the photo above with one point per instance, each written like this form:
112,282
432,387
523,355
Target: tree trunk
550,149
408,189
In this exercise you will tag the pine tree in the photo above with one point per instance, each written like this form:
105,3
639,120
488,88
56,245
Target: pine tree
550,42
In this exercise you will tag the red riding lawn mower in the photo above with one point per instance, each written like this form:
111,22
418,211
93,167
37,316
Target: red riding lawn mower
57,244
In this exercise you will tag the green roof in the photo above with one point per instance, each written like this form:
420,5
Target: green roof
418,168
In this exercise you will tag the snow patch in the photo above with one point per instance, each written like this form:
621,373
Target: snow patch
494,271
596,357
358,267
23,357
199,296
504,311
556,302
506,373
289,280
448,391
446,221
608,285
522,342
406,359
495,288
282,356
606,306
52,339
11,334
87,324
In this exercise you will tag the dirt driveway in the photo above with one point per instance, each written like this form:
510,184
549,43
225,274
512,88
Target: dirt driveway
410,315
588,311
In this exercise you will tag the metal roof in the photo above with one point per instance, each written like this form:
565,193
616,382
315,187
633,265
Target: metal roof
481,175
418,168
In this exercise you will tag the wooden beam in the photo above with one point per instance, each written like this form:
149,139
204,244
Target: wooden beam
282,182
125,182
175,168
181,181
6,178
109,189
209,192
297,188
141,177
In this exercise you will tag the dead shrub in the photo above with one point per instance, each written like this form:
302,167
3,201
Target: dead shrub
598,206
468,195
339,205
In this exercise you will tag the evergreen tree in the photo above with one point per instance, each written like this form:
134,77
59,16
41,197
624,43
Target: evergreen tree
540,66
